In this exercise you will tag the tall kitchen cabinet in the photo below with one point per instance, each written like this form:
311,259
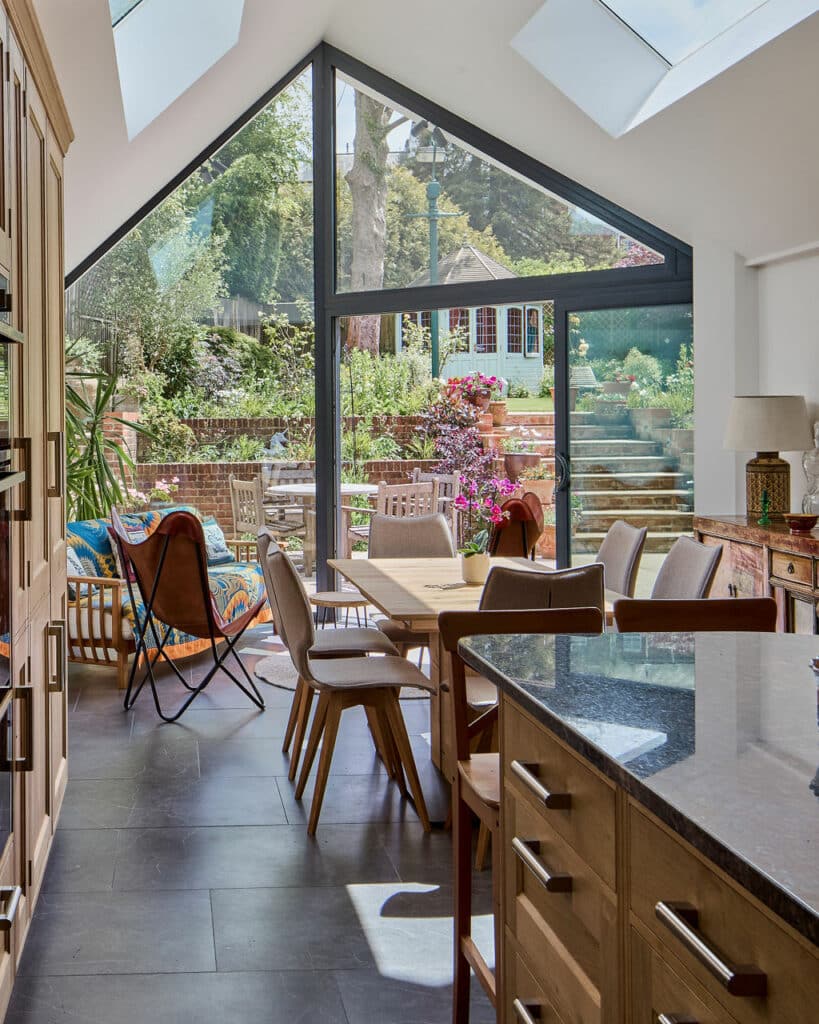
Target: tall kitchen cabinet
34,136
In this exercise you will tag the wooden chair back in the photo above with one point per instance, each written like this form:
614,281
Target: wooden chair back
688,570
620,555
449,487
579,587
454,626
732,615
404,500
246,501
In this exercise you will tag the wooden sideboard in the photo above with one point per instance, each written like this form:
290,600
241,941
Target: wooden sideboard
34,135
761,561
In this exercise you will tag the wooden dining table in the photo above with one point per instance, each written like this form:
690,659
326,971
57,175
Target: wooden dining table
414,591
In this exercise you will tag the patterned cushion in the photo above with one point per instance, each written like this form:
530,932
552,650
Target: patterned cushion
218,551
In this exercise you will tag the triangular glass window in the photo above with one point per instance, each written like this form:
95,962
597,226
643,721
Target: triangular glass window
416,206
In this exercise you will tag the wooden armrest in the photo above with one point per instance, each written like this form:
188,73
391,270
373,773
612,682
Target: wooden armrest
114,582
243,550
354,508
273,507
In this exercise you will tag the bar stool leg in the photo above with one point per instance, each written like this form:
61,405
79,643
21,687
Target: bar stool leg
462,856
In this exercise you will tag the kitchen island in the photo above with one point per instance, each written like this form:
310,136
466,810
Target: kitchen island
660,823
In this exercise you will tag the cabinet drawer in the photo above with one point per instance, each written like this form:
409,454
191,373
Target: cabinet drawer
537,765
658,993
548,882
526,1002
792,568
732,929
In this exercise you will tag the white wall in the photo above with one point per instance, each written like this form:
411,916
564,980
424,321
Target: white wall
789,341
725,364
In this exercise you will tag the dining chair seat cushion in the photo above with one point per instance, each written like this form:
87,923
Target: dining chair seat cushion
361,673
481,693
482,774
338,643
401,634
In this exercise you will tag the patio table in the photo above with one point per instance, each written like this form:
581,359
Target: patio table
305,494
414,591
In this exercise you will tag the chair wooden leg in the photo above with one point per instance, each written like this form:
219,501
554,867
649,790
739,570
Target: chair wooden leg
122,670
393,762
301,729
298,696
402,743
484,836
497,885
319,719
333,717
462,858
379,735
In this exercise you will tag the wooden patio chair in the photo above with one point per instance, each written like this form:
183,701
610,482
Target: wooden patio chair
477,786
167,579
398,501
449,487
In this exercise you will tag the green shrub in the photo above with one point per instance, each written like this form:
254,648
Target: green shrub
516,390
645,369
171,441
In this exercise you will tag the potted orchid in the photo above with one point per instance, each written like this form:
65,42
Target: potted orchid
480,511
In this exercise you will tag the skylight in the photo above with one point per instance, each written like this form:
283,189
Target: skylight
623,61
163,48
676,28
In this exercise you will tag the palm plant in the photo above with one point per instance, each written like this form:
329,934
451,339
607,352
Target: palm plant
97,466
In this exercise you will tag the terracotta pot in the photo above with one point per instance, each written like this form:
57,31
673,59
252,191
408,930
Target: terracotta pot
547,542
481,399
475,569
572,397
498,410
544,489
513,463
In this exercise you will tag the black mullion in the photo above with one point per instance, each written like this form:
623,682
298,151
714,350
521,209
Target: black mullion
562,430
328,461
507,154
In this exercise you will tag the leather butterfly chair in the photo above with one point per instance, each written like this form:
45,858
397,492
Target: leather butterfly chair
518,534
169,573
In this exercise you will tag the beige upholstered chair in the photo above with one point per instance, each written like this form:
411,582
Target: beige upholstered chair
419,537
341,683
449,487
400,501
509,589
327,643
734,615
620,555
687,571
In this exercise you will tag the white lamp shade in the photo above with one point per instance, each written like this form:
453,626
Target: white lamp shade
768,423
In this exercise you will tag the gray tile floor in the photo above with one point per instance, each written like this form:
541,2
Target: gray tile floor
182,885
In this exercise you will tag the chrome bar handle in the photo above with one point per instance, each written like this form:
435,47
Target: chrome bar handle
682,920
552,801
528,850
526,1013
57,629
10,896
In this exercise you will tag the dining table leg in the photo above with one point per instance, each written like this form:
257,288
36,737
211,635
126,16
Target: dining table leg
439,710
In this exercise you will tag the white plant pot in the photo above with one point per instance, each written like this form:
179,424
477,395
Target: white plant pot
475,568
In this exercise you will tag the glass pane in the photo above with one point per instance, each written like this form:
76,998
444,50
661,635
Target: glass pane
631,375
201,317
417,207
400,421
119,8
676,30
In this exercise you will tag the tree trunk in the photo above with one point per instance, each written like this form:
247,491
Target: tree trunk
367,180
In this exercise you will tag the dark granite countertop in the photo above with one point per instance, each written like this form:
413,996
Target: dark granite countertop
716,733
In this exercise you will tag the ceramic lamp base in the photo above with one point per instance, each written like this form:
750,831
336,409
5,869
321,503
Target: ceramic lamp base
767,472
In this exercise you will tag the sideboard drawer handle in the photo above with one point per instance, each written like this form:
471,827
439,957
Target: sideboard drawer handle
10,899
526,1013
528,851
682,920
552,801
675,1018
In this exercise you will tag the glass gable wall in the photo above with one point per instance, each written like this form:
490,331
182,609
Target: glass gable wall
279,311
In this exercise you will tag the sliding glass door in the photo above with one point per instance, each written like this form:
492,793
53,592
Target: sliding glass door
625,429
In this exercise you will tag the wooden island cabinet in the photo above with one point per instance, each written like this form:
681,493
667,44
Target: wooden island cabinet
35,133
763,561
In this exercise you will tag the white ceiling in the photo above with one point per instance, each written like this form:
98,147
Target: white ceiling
737,161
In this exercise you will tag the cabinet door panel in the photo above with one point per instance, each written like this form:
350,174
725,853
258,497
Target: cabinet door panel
740,570
5,220
38,779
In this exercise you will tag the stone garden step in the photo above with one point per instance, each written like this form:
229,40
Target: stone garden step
657,520
634,481
627,500
656,542
590,432
608,447
623,464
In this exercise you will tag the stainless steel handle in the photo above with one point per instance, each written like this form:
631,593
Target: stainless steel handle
682,920
23,444
526,1013
675,1018
552,801
25,763
565,478
57,438
528,851
10,896
57,629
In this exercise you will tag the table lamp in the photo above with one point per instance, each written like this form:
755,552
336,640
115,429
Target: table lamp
768,425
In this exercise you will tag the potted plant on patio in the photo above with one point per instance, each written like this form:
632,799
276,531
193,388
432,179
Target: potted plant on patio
161,495
520,452
476,388
497,402
540,480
